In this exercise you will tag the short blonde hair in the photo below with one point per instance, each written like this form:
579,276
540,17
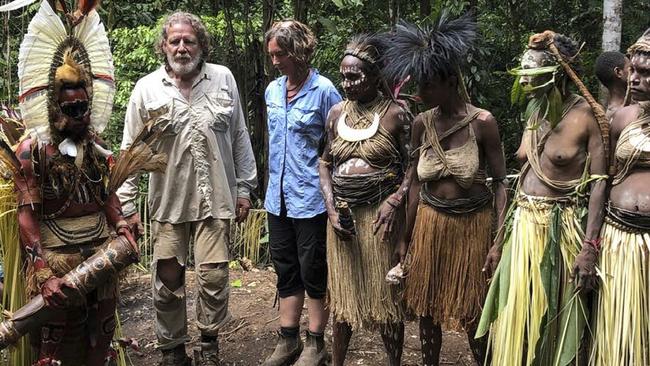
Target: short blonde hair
293,37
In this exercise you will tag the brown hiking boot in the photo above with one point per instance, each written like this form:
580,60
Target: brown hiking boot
314,353
175,357
286,351
207,355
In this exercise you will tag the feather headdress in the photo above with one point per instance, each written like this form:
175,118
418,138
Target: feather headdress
46,46
433,50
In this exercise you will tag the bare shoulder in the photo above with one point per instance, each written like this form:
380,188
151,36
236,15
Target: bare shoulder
417,126
623,117
396,112
334,114
485,118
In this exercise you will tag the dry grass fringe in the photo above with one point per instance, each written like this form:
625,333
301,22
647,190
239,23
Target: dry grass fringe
519,323
358,292
622,334
444,279
14,296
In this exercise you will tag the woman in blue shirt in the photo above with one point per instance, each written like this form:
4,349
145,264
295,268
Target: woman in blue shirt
297,106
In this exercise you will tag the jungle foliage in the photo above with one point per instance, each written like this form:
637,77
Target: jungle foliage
238,27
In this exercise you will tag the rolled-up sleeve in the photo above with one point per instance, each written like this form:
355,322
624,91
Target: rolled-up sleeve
128,192
245,168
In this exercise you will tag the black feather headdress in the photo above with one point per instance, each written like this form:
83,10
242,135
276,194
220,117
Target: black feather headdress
433,50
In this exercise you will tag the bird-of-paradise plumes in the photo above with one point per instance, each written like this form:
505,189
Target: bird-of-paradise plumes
140,157
69,73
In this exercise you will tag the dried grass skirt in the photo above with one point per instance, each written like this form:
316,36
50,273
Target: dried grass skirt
622,329
358,292
443,267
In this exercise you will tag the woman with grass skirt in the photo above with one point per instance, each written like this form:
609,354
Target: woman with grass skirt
450,209
622,334
535,308
362,179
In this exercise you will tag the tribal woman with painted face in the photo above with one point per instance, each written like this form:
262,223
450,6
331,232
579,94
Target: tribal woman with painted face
621,330
535,307
362,179
449,220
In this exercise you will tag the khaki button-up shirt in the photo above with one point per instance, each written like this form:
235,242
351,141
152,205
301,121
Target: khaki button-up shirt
210,159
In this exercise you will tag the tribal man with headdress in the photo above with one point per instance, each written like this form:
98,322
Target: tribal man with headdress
449,220
67,210
362,179
622,336
535,309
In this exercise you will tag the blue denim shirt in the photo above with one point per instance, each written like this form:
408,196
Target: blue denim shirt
295,131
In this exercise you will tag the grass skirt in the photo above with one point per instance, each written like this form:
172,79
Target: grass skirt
443,267
534,315
358,292
622,329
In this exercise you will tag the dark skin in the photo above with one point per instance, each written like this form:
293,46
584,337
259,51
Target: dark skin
443,94
617,89
54,289
563,158
632,193
361,84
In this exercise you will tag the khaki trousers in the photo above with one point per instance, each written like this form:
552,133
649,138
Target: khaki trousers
211,239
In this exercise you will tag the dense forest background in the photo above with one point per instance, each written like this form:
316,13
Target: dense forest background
238,27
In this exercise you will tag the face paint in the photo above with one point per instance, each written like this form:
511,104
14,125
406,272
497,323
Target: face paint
534,59
352,76
640,77
356,83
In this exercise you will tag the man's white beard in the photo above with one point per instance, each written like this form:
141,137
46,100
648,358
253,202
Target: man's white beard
181,69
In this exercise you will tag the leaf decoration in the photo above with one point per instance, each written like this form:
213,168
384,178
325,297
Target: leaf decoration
531,115
536,71
516,92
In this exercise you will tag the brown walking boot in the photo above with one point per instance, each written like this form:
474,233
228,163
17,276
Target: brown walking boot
175,357
314,353
286,351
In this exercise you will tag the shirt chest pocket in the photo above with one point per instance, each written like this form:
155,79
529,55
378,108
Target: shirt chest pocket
219,107
306,120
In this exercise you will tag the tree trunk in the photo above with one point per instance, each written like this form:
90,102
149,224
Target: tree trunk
425,8
299,10
393,11
612,24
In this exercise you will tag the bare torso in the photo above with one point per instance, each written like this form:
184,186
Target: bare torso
633,192
564,154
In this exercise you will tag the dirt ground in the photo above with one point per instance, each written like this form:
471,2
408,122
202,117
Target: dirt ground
251,335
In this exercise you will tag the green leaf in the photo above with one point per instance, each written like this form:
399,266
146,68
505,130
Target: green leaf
532,109
328,24
235,284
534,71
516,91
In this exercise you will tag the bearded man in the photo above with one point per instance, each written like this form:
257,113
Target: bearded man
210,173
67,210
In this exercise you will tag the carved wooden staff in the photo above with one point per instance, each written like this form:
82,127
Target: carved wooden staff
94,271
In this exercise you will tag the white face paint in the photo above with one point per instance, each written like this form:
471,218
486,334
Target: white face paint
533,59
352,76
